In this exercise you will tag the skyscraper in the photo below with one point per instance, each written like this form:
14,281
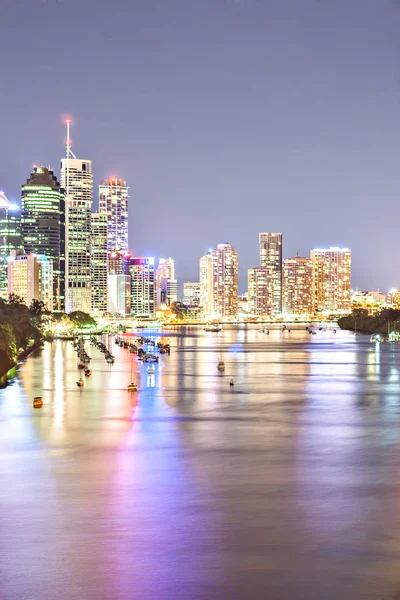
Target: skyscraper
43,225
118,283
141,271
77,179
191,293
113,201
225,281
297,285
25,277
10,238
207,263
331,279
166,284
271,259
99,263
259,288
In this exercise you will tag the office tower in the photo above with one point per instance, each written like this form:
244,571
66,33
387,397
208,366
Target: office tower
43,225
47,281
191,293
119,294
297,285
113,201
141,271
271,259
99,263
166,284
77,180
25,277
260,303
10,238
207,266
225,281
331,279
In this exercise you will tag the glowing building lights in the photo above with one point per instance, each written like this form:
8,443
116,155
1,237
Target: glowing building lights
77,179
219,273
113,201
43,225
10,238
297,285
331,279
270,245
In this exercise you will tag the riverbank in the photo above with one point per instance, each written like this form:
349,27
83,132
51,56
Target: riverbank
9,373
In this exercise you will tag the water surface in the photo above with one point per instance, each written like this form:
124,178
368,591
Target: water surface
287,487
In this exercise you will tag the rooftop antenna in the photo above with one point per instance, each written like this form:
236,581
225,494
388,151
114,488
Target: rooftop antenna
68,142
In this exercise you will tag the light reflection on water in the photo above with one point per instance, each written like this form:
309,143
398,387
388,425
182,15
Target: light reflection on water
284,487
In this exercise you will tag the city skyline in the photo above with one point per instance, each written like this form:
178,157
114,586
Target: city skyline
282,121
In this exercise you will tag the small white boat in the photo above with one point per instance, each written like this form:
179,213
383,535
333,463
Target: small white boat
213,328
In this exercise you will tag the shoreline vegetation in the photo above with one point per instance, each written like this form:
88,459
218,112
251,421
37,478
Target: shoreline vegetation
23,329
20,332
359,321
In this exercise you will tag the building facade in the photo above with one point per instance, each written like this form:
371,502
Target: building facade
142,276
207,264
166,284
119,294
99,263
225,281
47,281
10,238
113,201
25,277
270,245
191,294
77,180
331,279
297,285
43,225
260,302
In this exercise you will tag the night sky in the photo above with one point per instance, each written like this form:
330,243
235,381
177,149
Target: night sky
226,118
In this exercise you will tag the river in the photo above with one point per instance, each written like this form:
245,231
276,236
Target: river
286,487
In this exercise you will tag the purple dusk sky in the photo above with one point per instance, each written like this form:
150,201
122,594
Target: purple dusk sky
226,118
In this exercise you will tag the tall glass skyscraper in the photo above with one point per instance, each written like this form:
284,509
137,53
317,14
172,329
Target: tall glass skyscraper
141,271
113,201
10,237
271,259
99,263
77,179
43,225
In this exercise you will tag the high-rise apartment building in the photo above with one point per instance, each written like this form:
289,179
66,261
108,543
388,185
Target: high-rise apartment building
43,225
47,281
226,281
260,303
99,263
25,277
191,293
113,201
207,263
10,238
77,180
271,258
166,284
331,279
297,285
141,271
